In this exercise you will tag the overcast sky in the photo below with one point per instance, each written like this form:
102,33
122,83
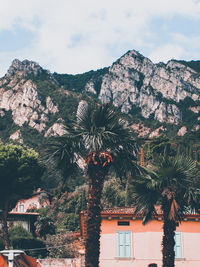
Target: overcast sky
75,36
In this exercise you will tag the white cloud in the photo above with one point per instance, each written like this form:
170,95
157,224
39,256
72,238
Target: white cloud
76,36
167,52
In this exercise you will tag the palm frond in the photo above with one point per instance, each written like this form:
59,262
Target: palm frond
172,179
60,152
144,197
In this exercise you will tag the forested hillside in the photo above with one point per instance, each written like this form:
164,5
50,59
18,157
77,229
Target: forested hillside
160,102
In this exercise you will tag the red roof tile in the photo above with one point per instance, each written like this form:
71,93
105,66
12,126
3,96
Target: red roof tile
131,211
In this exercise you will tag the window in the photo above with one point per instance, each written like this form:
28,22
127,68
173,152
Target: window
178,245
123,223
124,244
21,208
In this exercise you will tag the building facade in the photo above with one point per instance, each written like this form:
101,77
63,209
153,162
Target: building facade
38,200
125,241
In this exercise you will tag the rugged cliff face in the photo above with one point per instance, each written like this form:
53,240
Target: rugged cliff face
157,89
19,95
33,97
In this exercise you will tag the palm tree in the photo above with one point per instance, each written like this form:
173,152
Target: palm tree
173,185
104,139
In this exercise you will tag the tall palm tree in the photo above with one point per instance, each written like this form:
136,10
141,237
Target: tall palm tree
104,140
173,185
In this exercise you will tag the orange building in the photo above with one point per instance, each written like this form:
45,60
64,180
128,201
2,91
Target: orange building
125,241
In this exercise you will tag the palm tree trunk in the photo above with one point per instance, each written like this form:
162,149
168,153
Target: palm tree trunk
96,180
168,242
5,226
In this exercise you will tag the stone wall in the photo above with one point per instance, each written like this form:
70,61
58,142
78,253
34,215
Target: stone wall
60,262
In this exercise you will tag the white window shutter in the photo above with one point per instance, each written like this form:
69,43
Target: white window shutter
124,244
178,245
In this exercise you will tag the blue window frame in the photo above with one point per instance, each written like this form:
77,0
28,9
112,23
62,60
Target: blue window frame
178,245
124,244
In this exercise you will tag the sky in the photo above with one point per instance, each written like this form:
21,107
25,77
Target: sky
75,36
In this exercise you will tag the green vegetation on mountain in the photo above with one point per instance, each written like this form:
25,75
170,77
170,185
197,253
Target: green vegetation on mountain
193,64
7,126
77,82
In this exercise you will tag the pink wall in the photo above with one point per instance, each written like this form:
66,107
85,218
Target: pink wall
30,203
146,244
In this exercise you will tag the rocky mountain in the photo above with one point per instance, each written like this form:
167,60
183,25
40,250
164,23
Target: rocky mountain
35,102
156,89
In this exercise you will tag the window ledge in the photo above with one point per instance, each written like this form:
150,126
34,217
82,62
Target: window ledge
180,259
124,258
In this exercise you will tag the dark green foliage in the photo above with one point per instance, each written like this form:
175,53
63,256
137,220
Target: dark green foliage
193,64
32,137
189,145
33,247
20,173
7,126
22,239
65,209
46,86
19,232
159,146
77,82
44,226
114,194
71,222
174,176
50,179
1,243
188,117
67,105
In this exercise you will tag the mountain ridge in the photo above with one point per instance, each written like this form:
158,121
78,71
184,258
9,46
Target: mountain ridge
152,95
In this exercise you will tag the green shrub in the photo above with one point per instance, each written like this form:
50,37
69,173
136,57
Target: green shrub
71,222
22,239
37,247
19,232
1,244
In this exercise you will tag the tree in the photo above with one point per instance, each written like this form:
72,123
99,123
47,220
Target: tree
173,185
189,144
105,140
44,226
20,174
160,145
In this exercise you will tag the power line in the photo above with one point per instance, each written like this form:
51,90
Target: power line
31,249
